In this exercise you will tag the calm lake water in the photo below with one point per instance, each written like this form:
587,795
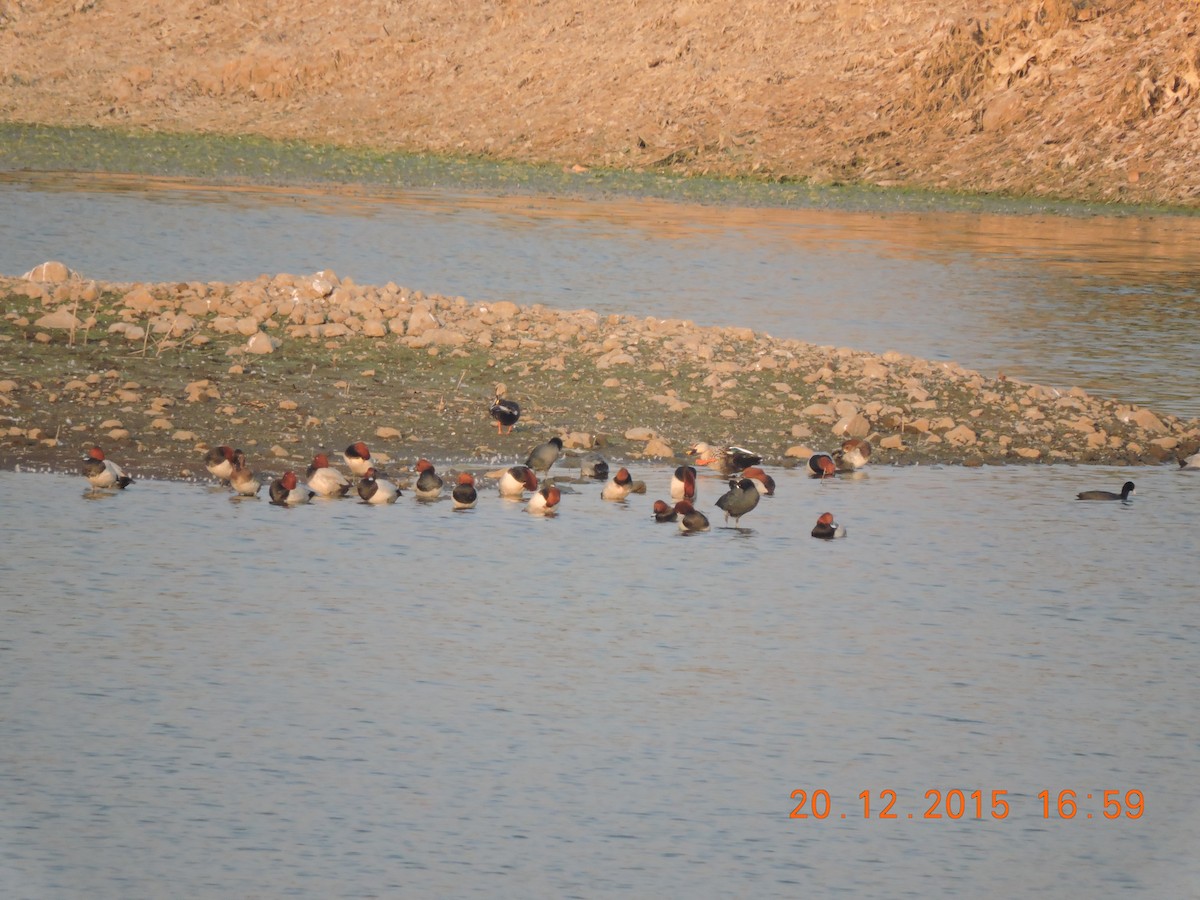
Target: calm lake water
208,698
201,697
1107,303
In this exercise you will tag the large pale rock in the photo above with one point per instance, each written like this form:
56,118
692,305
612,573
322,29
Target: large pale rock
961,436
247,326
852,426
504,309
1147,420
262,342
615,358
640,433
140,299
658,448
52,272
60,318
420,320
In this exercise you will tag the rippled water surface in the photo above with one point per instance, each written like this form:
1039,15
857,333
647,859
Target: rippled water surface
208,698
1107,303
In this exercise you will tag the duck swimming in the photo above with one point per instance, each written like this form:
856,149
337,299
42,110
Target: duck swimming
664,512
358,458
1126,491
516,480
429,483
619,487
763,482
827,529
545,501
287,491
683,483
324,480
690,519
103,472
464,494
821,465
375,490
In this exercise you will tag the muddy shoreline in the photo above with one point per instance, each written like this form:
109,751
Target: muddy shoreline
289,365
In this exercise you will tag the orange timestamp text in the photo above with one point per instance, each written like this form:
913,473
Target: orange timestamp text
954,803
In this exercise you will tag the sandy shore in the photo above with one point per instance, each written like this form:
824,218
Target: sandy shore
287,366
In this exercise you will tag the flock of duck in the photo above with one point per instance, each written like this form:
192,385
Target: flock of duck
747,480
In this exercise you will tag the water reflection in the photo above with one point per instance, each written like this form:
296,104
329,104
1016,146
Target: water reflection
213,699
1107,303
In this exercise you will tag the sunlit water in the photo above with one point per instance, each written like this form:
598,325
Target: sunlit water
208,698
1106,303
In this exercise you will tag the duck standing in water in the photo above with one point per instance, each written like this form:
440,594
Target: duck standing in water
619,487
219,462
242,479
1126,492
375,490
504,412
664,512
821,465
102,472
287,491
853,454
545,501
358,458
429,482
464,493
741,497
543,456
683,483
726,460
324,480
690,519
762,482
827,529
516,480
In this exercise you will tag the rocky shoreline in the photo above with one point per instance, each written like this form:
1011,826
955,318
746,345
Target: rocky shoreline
288,365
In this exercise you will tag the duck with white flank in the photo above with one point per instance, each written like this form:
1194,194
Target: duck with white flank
853,454
821,465
287,491
516,480
545,501
219,462
242,479
429,482
741,497
726,460
358,458
827,529
464,494
504,412
375,490
619,486
763,482
683,483
543,456
1126,492
324,480
103,472
690,519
